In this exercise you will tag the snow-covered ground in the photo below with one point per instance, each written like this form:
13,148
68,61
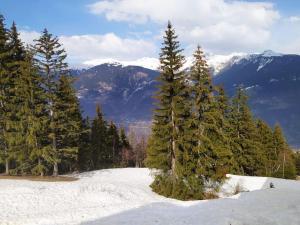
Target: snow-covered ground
123,197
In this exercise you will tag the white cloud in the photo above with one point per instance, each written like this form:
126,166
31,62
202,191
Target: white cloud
84,48
219,25
293,19
87,47
28,36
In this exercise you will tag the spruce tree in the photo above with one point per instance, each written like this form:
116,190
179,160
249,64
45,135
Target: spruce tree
12,54
4,81
165,147
14,135
269,159
297,162
245,142
35,155
285,162
50,59
67,118
84,153
214,158
114,145
98,141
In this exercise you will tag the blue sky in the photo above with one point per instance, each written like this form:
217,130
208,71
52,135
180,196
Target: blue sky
94,30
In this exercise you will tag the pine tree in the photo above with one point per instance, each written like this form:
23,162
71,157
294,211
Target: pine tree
67,118
245,142
214,158
35,155
114,145
12,54
50,59
4,81
166,145
85,154
297,162
98,141
269,158
14,135
285,163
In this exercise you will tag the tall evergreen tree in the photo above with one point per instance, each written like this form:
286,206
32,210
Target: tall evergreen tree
245,142
269,159
50,58
12,54
297,162
67,118
4,86
214,157
114,144
285,164
84,153
14,135
34,157
165,147
99,141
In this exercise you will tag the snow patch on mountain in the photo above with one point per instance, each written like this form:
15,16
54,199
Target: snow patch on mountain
251,87
146,62
219,62
263,62
270,53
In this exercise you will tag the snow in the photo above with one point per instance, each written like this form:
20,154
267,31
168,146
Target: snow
273,80
215,61
263,62
251,87
270,53
146,62
219,62
123,196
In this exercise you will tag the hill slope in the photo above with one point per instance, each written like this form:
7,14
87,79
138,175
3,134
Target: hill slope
272,81
125,92
123,196
273,85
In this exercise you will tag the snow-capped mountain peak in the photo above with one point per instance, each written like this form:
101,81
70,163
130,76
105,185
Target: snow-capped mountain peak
270,53
216,62
146,62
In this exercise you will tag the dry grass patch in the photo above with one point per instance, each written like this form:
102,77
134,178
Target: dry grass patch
39,178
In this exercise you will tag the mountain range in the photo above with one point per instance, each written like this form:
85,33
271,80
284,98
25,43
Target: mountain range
125,92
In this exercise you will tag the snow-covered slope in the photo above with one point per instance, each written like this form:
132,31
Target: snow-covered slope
216,62
146,62
123,196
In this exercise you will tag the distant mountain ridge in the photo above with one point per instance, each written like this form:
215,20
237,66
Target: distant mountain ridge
273,84
124,92
271,79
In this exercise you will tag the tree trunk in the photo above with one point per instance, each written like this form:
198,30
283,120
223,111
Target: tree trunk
42,172
55,169
283,165
6,166
55,166
113,152
173,155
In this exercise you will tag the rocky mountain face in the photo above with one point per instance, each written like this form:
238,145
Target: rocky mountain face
125,92
273,85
